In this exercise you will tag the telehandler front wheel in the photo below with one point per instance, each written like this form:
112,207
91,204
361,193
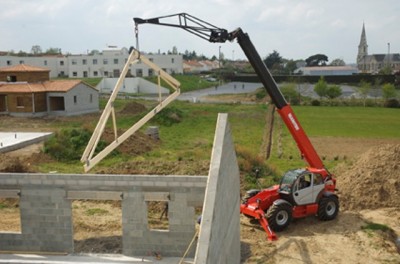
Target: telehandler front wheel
279,216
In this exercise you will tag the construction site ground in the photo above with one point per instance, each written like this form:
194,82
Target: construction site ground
367,229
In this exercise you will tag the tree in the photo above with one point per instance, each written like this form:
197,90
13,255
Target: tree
317,60
388,91
273,60
53,51
289,92
36,49
321,87
385,70
94,52
290,67
174,50
333,91
363,89
337,62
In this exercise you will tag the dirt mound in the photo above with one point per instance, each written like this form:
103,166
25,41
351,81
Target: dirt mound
373,181
133,108
160,167
136,144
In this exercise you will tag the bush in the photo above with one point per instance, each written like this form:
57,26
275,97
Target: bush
249,163
392,103
315,103
261,93
169,116
68,144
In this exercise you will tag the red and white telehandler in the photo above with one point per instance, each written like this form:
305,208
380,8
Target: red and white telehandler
301,192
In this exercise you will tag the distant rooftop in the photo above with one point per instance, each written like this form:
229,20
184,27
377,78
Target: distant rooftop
23,68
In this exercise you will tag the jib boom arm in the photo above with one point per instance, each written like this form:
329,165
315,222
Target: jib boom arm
212,33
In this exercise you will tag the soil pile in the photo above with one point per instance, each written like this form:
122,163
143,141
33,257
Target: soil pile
373,181
160,167
133,108
136,144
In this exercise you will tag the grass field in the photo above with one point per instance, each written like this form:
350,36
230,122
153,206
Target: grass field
366,122
191,139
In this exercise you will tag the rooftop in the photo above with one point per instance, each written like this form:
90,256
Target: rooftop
48,86
24,68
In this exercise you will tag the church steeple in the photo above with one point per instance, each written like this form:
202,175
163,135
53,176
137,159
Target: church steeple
363,46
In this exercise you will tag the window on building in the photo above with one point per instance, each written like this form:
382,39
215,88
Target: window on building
20,101
11,78
105,61
172,60
94,61
95,74
115,61
21,62
61,63
74,62
151,59
105,73
62,73
85,74
9,62
91,98
129,73
116,73
139,72
75,74
75,99
151,72
84,61
45,63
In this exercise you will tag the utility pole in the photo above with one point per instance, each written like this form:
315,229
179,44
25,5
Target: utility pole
389,55
219,65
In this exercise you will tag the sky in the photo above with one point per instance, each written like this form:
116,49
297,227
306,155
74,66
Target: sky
296,29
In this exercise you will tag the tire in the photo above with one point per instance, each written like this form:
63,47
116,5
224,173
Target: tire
328,208
279,216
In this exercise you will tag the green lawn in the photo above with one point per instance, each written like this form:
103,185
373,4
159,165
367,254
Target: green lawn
188,82
192,138
365,122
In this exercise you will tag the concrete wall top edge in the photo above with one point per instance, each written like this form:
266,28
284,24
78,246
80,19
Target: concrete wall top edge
99,180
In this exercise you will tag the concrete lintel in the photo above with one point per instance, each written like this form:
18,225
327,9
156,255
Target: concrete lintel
12,193
156,196
94,195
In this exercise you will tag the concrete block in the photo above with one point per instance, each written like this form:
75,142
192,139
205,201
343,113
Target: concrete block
12,193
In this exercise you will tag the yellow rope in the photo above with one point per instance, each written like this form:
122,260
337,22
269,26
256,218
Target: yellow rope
190,245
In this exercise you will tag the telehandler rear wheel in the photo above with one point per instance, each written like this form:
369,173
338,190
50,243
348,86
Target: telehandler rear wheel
279,216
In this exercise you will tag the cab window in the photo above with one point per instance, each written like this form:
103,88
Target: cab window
318,179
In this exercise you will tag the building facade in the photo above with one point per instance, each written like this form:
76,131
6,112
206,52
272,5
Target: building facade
27,91
327,70
374,63
108,63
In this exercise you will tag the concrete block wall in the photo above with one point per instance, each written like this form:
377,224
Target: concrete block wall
219,239
45,205
46,214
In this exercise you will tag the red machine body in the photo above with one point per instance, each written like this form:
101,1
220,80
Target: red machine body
301,192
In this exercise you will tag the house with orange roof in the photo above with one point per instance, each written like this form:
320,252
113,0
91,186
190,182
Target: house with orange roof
27,91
